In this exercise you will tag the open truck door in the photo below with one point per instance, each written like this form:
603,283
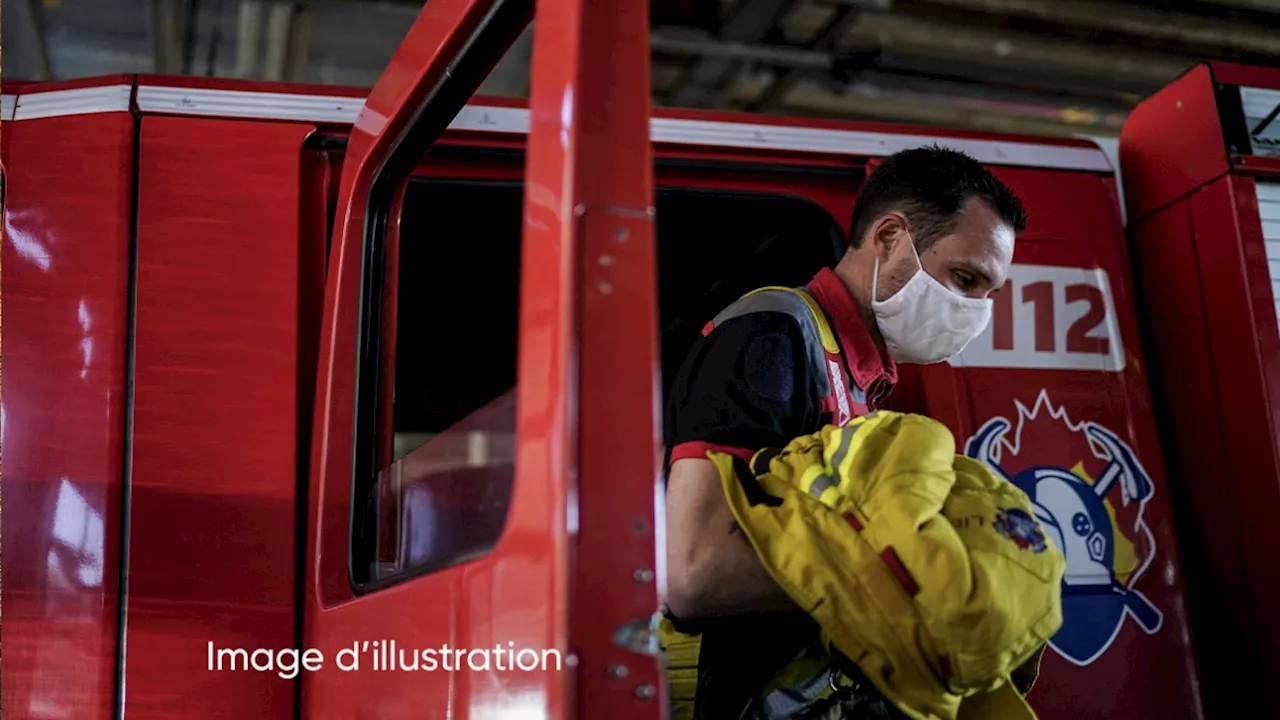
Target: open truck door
489,551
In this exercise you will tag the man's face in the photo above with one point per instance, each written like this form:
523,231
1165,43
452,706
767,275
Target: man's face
972,261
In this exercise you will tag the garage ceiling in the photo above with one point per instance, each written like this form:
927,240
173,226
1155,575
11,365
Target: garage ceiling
1039,66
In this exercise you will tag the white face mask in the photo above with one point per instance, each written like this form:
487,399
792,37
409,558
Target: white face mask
924,322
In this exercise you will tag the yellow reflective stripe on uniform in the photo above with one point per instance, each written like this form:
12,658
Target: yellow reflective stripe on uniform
815,481
680,656
825,333
823,481
835,460
841,459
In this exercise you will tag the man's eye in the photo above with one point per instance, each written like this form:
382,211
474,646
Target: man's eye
965,281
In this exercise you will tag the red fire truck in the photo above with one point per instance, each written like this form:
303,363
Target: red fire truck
300,381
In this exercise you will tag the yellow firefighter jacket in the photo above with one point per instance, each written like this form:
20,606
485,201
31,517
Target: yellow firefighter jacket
921,567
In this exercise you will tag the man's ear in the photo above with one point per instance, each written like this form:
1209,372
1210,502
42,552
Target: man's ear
887,231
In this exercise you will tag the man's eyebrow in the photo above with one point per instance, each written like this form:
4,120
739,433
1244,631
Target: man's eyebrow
981,271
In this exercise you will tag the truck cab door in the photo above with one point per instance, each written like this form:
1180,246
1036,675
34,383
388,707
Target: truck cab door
481,526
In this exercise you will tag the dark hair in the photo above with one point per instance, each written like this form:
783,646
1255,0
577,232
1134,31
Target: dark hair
930,186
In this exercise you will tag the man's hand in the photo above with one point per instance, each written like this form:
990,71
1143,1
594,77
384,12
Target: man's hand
712,570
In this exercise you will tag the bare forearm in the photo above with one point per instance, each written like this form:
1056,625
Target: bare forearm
735,581
712,569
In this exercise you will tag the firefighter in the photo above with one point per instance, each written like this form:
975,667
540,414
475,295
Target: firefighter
931,238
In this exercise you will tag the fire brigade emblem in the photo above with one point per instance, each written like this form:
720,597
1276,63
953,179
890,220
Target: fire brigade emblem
1089,493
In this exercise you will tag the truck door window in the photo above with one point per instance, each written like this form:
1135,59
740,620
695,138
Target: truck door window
442,498
447,423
